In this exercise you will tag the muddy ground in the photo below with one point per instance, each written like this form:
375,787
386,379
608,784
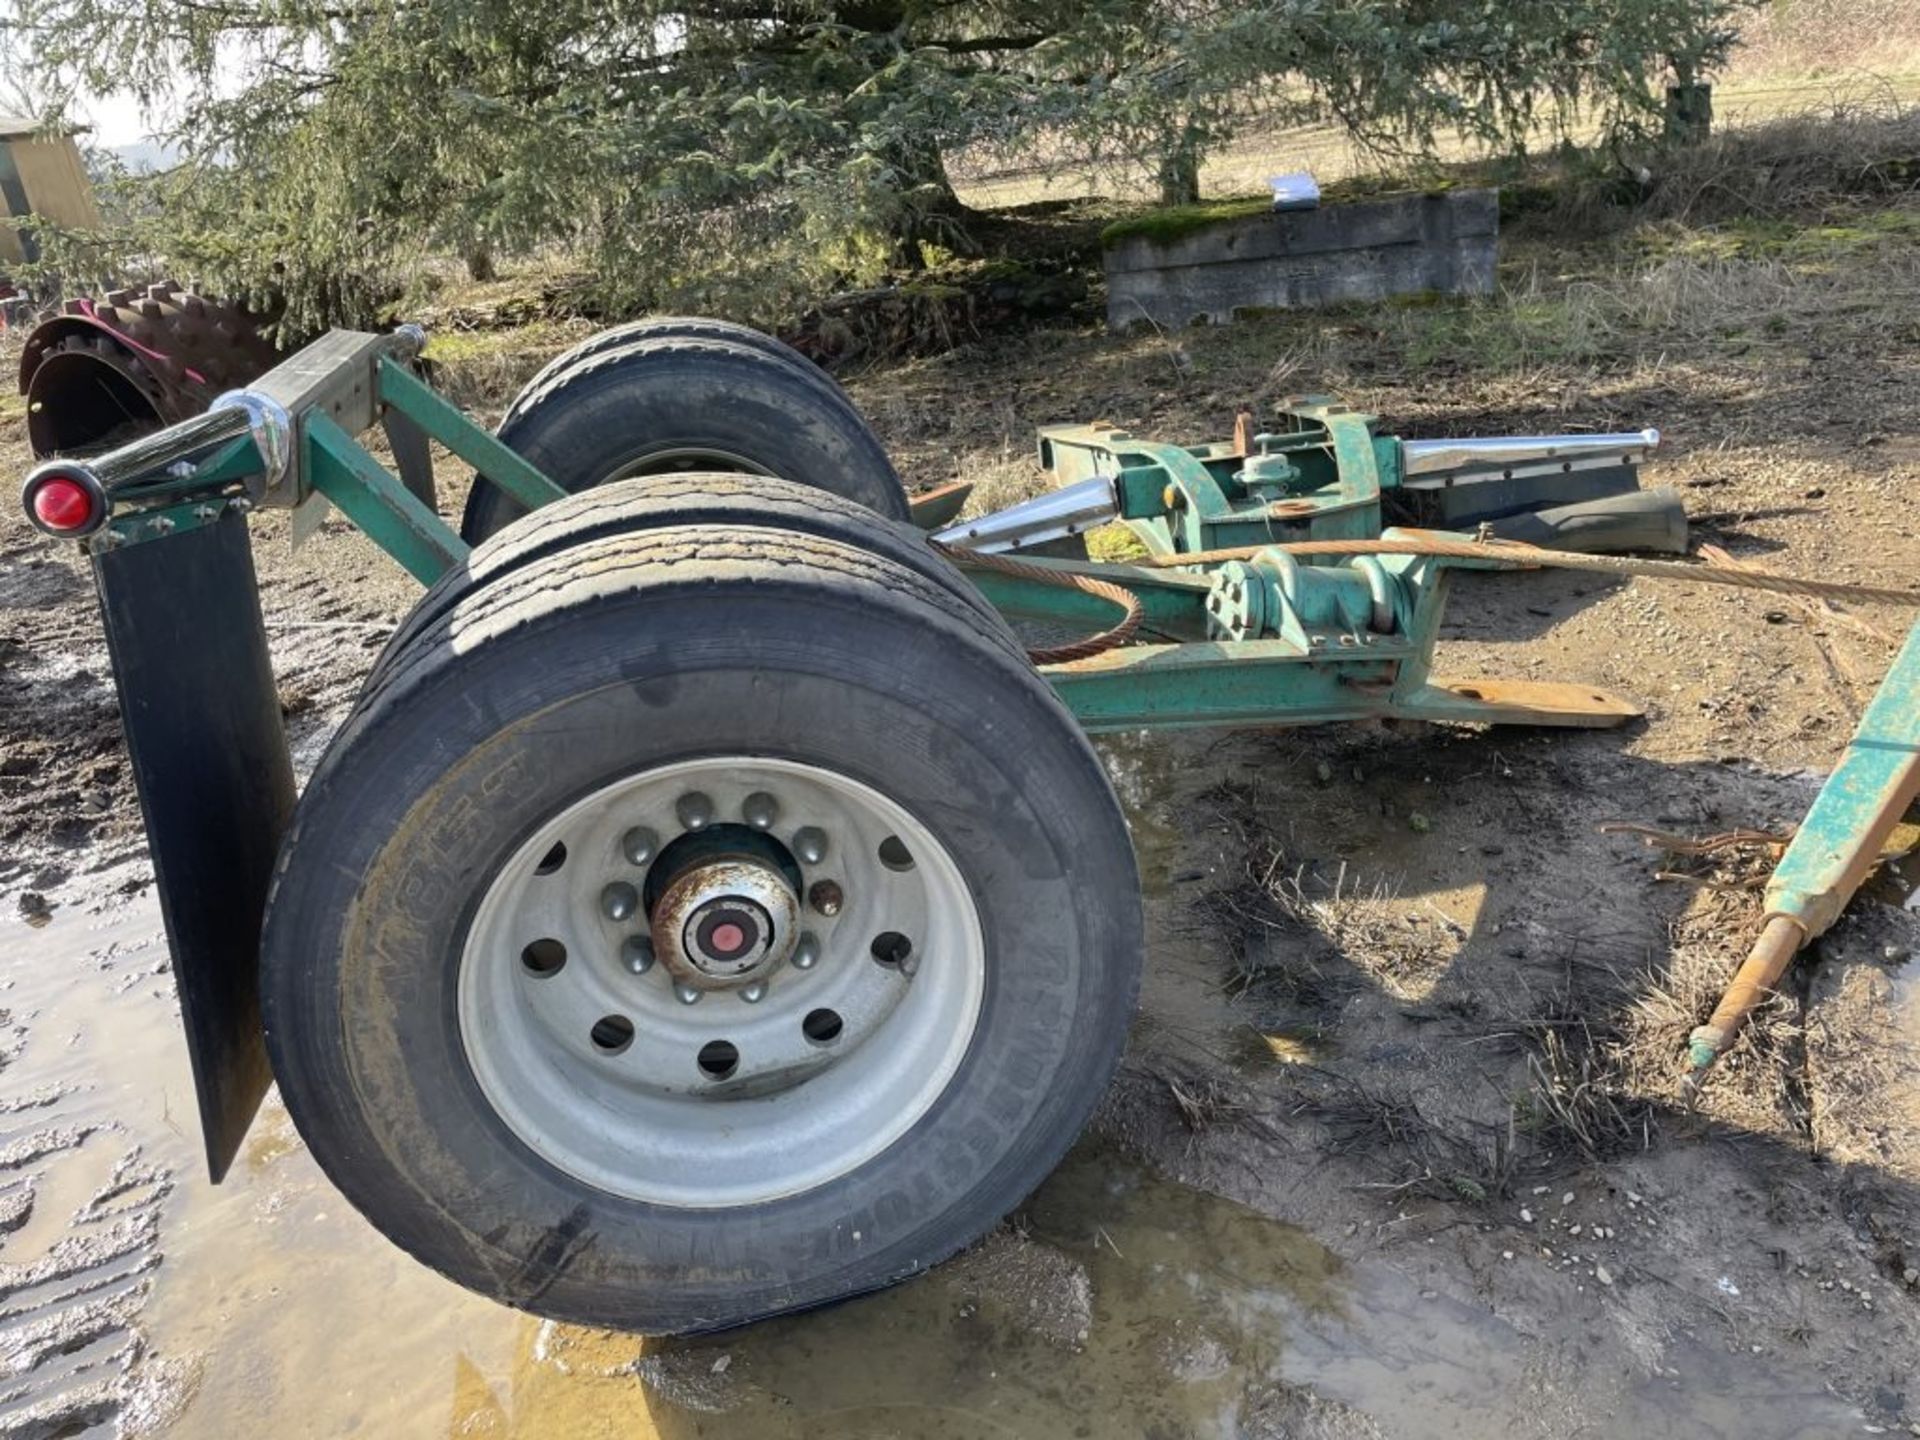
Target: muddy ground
1396,1149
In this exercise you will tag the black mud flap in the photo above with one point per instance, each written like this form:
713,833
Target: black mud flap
210,759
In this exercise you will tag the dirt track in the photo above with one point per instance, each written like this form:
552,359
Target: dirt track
1369,949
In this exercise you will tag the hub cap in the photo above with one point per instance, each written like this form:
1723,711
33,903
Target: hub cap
725,924
721,982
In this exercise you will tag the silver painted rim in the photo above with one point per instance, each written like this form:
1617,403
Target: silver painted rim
662,1076
686,459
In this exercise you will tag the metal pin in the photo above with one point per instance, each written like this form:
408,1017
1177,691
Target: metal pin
686,994
760,810
806,951
810,844
619,900
753,994
695,811
639,845
637,952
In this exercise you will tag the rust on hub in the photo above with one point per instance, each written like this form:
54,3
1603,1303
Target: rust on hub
725,923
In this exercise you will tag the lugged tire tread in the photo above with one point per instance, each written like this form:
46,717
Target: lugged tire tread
761,501
667,352
668,327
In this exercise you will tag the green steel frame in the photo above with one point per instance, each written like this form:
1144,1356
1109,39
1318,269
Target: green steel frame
1321,478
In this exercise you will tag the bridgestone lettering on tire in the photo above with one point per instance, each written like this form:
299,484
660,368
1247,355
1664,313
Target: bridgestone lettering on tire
898,788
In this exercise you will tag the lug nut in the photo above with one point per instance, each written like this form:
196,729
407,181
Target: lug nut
619,900
637,953
686,994
810,844
826,897
639,845
760,810
753,994
695,811
806,951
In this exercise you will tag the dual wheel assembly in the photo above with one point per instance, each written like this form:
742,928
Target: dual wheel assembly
706,911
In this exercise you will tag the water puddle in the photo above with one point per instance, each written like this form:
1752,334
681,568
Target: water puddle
1897,881
1121,1305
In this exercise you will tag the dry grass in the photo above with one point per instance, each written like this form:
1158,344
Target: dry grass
1444,1160
1816,39
1578,1074
1403,947
1855,142
1758,1085
1307,937
485,368
1203,1101
1577,1101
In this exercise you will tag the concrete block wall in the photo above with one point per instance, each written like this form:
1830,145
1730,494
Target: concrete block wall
1367,250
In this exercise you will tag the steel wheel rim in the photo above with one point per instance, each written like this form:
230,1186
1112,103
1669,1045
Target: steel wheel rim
639,1112
687,460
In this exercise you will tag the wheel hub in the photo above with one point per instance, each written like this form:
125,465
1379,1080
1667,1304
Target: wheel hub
725,924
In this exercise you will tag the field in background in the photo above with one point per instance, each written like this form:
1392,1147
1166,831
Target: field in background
1796,56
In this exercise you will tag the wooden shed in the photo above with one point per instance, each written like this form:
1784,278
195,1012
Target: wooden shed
41,174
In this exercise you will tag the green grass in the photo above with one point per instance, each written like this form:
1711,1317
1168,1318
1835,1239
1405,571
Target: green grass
1176,222
1795,242
467,347
1115,545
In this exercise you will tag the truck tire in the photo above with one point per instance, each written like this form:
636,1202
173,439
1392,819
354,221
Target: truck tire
678,327
652,501
671,405
516,863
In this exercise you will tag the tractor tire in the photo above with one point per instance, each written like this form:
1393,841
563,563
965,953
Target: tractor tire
677,327
475,975
108,369
673,405
650,502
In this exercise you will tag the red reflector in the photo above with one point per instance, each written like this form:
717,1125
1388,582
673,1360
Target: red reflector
63,504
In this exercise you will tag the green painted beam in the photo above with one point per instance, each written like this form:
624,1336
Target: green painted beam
1856,811
1172,602
1243,682
390,514
444,421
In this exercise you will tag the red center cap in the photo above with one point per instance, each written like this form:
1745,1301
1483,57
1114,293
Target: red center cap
727,937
